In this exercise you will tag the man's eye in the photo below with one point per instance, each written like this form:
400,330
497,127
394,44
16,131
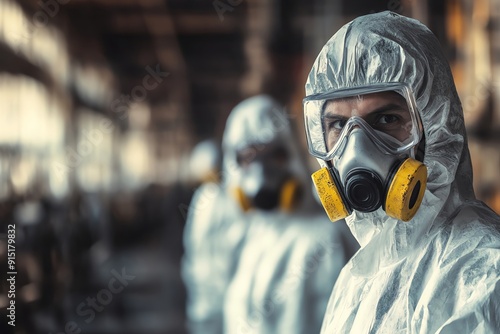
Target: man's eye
246,157
279,155
387,119
337,124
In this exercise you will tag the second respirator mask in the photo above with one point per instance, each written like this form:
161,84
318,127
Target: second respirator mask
266,182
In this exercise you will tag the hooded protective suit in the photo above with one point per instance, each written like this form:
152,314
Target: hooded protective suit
439,272
213,235
289,260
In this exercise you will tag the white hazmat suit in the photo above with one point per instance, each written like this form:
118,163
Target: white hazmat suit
215,228
440,271
289,260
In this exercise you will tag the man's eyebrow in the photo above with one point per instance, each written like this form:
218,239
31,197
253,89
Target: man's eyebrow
333,116
391,106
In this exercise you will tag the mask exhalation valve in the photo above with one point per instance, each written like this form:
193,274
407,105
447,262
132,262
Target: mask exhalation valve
363,189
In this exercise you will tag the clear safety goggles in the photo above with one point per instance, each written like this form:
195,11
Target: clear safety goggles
389,118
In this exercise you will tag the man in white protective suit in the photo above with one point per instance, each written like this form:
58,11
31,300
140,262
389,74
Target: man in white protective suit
385,123
291,254
212,239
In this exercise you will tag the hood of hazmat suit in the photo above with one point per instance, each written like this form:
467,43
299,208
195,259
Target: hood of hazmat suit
204,163
291,254
440,271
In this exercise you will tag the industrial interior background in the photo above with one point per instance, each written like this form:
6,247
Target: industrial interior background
102,102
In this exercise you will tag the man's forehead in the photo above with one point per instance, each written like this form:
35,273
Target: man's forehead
358,103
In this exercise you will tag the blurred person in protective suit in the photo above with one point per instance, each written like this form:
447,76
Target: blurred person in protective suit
213,235
384,121
291,254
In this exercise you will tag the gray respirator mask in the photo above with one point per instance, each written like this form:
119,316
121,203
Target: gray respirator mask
266,183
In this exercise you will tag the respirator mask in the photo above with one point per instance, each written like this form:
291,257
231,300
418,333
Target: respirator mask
365,138
265,182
